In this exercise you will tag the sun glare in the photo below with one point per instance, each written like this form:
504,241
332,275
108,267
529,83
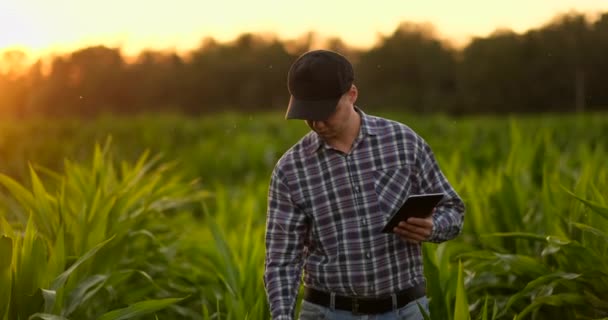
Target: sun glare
41,26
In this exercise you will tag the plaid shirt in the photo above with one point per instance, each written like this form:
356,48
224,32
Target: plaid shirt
326,210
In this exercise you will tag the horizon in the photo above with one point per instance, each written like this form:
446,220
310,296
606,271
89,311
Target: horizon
185,33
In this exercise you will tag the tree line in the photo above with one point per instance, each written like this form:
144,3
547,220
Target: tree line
561,66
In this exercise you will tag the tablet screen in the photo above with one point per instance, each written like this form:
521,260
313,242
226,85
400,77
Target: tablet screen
418,205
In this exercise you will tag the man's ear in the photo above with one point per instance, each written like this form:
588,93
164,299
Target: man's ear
353,93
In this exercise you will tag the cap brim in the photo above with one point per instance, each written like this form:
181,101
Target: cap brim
311,110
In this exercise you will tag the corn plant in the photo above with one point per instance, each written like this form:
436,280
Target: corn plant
538,251
533,246
74,249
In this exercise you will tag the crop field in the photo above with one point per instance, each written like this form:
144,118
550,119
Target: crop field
162,217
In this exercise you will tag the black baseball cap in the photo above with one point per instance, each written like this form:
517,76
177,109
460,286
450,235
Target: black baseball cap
316,81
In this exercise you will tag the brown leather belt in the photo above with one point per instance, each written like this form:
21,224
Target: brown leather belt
360,305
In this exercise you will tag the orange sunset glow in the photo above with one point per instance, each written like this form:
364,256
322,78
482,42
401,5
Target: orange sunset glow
40,26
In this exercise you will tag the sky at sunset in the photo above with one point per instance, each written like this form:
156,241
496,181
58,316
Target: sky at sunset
43,26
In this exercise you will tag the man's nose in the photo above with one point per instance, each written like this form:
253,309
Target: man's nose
318,124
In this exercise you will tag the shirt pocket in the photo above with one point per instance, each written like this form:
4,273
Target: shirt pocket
393,186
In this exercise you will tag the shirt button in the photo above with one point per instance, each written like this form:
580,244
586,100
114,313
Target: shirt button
368,255
364,222
357,189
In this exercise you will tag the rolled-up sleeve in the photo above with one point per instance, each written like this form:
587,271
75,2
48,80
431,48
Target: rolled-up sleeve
448,218
286,230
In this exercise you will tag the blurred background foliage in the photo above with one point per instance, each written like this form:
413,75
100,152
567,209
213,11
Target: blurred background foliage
558,67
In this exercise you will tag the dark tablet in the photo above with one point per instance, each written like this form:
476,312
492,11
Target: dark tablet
418,205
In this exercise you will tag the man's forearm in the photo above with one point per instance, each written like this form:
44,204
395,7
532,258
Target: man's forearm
282,283
447,222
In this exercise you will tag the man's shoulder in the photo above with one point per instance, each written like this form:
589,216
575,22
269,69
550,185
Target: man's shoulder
389,127
296,152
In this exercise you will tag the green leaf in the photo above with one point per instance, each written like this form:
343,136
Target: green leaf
31,264
431,271
484,314
22,195
598,208
590,229
96,219
46,316
557,300
551,279
139,309
49,299
6,258
461,309
521,235
5,227
595,301
57,256
425,315
52,174
84,291
6,253
44,209
61,279
230,275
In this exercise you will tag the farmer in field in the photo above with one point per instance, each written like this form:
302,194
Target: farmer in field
331,194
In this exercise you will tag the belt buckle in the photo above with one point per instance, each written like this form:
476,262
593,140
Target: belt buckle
355,306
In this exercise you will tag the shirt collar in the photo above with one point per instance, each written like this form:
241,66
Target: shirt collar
368,128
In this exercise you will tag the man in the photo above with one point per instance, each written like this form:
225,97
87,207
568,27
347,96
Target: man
331,194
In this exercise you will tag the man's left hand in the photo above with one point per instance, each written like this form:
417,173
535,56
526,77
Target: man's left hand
415,230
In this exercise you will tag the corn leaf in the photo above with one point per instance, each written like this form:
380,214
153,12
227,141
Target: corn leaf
139,309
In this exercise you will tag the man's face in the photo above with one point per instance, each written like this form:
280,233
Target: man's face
335,124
